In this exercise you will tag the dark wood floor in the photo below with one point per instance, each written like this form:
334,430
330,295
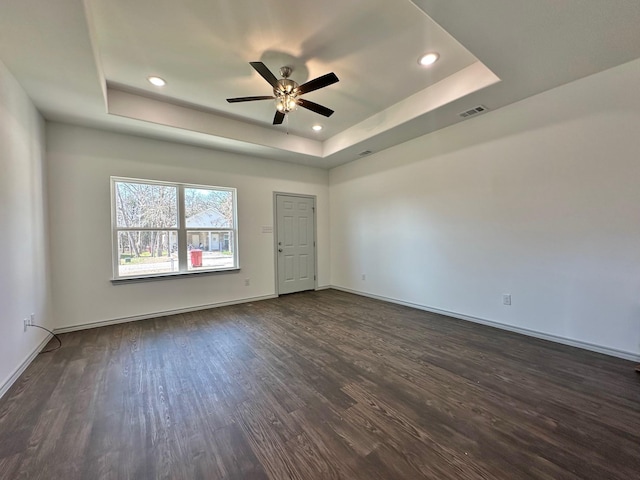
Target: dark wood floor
319,385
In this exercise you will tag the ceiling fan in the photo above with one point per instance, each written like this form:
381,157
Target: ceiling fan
287,93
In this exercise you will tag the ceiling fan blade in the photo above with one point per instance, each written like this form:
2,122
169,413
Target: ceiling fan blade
262,69
314,107
248,99
316,83
279,118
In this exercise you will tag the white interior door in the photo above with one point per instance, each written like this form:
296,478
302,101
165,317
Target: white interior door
295,238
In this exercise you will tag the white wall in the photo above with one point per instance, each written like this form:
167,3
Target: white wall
23,239
540,199
80,162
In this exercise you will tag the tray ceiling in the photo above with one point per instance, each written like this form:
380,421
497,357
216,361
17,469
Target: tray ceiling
87,62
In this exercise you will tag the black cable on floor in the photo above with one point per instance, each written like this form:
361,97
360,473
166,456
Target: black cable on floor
54,336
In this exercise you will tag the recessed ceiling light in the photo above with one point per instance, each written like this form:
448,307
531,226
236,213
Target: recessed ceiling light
157,81
428,59
317,128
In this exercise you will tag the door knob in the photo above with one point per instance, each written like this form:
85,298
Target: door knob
280,250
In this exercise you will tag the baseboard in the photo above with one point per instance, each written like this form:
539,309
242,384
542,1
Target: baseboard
4,388
164,313
524,331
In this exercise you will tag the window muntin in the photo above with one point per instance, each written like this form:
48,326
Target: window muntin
150,221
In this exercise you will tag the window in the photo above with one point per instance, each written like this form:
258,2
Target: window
162,228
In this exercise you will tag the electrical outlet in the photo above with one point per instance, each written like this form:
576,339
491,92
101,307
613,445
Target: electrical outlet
364,276
32,319
506,299
26,323
247,282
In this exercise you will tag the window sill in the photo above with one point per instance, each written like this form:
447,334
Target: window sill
168,276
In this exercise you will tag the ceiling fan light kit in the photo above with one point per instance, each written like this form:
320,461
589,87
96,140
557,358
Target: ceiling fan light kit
287,93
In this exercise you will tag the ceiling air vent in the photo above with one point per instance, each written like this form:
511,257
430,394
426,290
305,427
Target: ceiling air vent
365,153
473,111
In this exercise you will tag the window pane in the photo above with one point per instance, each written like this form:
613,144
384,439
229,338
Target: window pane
208,208
147,252
141,205
210,250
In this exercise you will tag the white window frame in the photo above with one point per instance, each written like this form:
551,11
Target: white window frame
181,230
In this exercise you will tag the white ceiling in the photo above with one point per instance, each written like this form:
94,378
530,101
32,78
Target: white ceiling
87,62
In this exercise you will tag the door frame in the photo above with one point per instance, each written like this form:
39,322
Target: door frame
275,236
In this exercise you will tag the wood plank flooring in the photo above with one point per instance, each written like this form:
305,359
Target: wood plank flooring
319,385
